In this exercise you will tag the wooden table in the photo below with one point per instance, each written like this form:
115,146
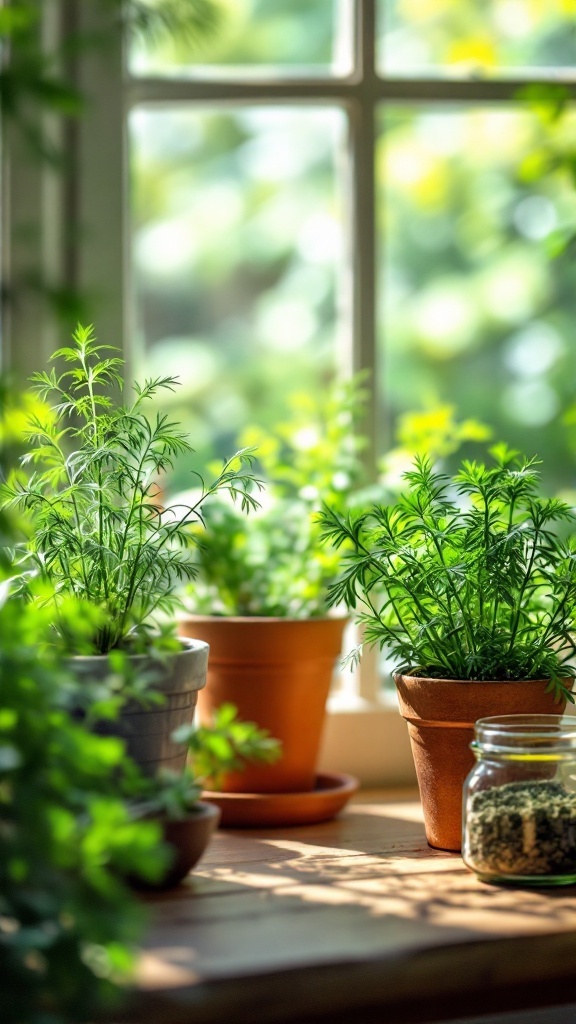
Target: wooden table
353,920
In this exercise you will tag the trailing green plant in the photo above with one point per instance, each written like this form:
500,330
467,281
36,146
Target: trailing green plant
68,924
464,578
273,563
225,745
98,530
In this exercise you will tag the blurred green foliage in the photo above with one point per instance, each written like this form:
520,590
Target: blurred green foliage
40,44
294,35
471,39
38,77
272,562
67,922
237,247
473,310
475,201
239,227
435,432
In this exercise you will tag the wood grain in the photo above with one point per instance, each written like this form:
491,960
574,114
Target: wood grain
354,916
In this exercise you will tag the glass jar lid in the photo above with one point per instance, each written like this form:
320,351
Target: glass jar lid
526,735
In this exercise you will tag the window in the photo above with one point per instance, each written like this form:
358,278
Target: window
333,184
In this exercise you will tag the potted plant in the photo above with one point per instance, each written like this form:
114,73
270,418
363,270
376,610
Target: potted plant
260,596
173,799
467,584
99,535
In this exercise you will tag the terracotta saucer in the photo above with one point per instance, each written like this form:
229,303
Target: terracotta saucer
254,810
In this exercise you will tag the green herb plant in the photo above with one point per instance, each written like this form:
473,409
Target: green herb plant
223,746
464,578
98,530
273,563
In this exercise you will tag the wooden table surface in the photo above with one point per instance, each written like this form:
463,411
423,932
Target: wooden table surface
354,919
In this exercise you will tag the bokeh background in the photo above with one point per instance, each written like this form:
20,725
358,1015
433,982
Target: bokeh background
239,222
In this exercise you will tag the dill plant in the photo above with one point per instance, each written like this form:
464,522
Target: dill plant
464,578
92,496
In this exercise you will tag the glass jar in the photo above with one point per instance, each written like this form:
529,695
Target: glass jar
520,800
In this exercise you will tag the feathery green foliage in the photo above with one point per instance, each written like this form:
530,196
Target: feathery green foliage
67,922
464,578
99,533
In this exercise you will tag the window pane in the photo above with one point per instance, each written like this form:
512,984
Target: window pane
475,311
256,37
477,38
237,252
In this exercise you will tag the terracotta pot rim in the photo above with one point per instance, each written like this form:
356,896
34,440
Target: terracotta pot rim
261,620
474,682
189,646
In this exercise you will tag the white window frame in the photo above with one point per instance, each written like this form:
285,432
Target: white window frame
364,733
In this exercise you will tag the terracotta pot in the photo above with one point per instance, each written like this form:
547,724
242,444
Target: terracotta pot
188,838
441,714
277,672
147,729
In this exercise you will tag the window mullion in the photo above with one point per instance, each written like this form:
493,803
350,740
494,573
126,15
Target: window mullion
30,233
362,354
101,177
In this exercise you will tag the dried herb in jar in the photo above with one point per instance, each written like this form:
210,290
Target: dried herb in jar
523,828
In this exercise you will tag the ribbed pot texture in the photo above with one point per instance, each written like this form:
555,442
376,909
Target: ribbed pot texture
147,730
277,672
441,714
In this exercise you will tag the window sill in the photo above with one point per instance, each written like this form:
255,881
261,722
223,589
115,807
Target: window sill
367,739
352,919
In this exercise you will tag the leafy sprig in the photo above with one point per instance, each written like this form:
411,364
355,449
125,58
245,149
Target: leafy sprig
223,746
99,530
273,563
467,578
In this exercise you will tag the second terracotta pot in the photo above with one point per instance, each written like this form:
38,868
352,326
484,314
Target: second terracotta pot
440,714
277,672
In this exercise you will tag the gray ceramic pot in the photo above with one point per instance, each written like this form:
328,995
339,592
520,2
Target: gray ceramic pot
147,730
